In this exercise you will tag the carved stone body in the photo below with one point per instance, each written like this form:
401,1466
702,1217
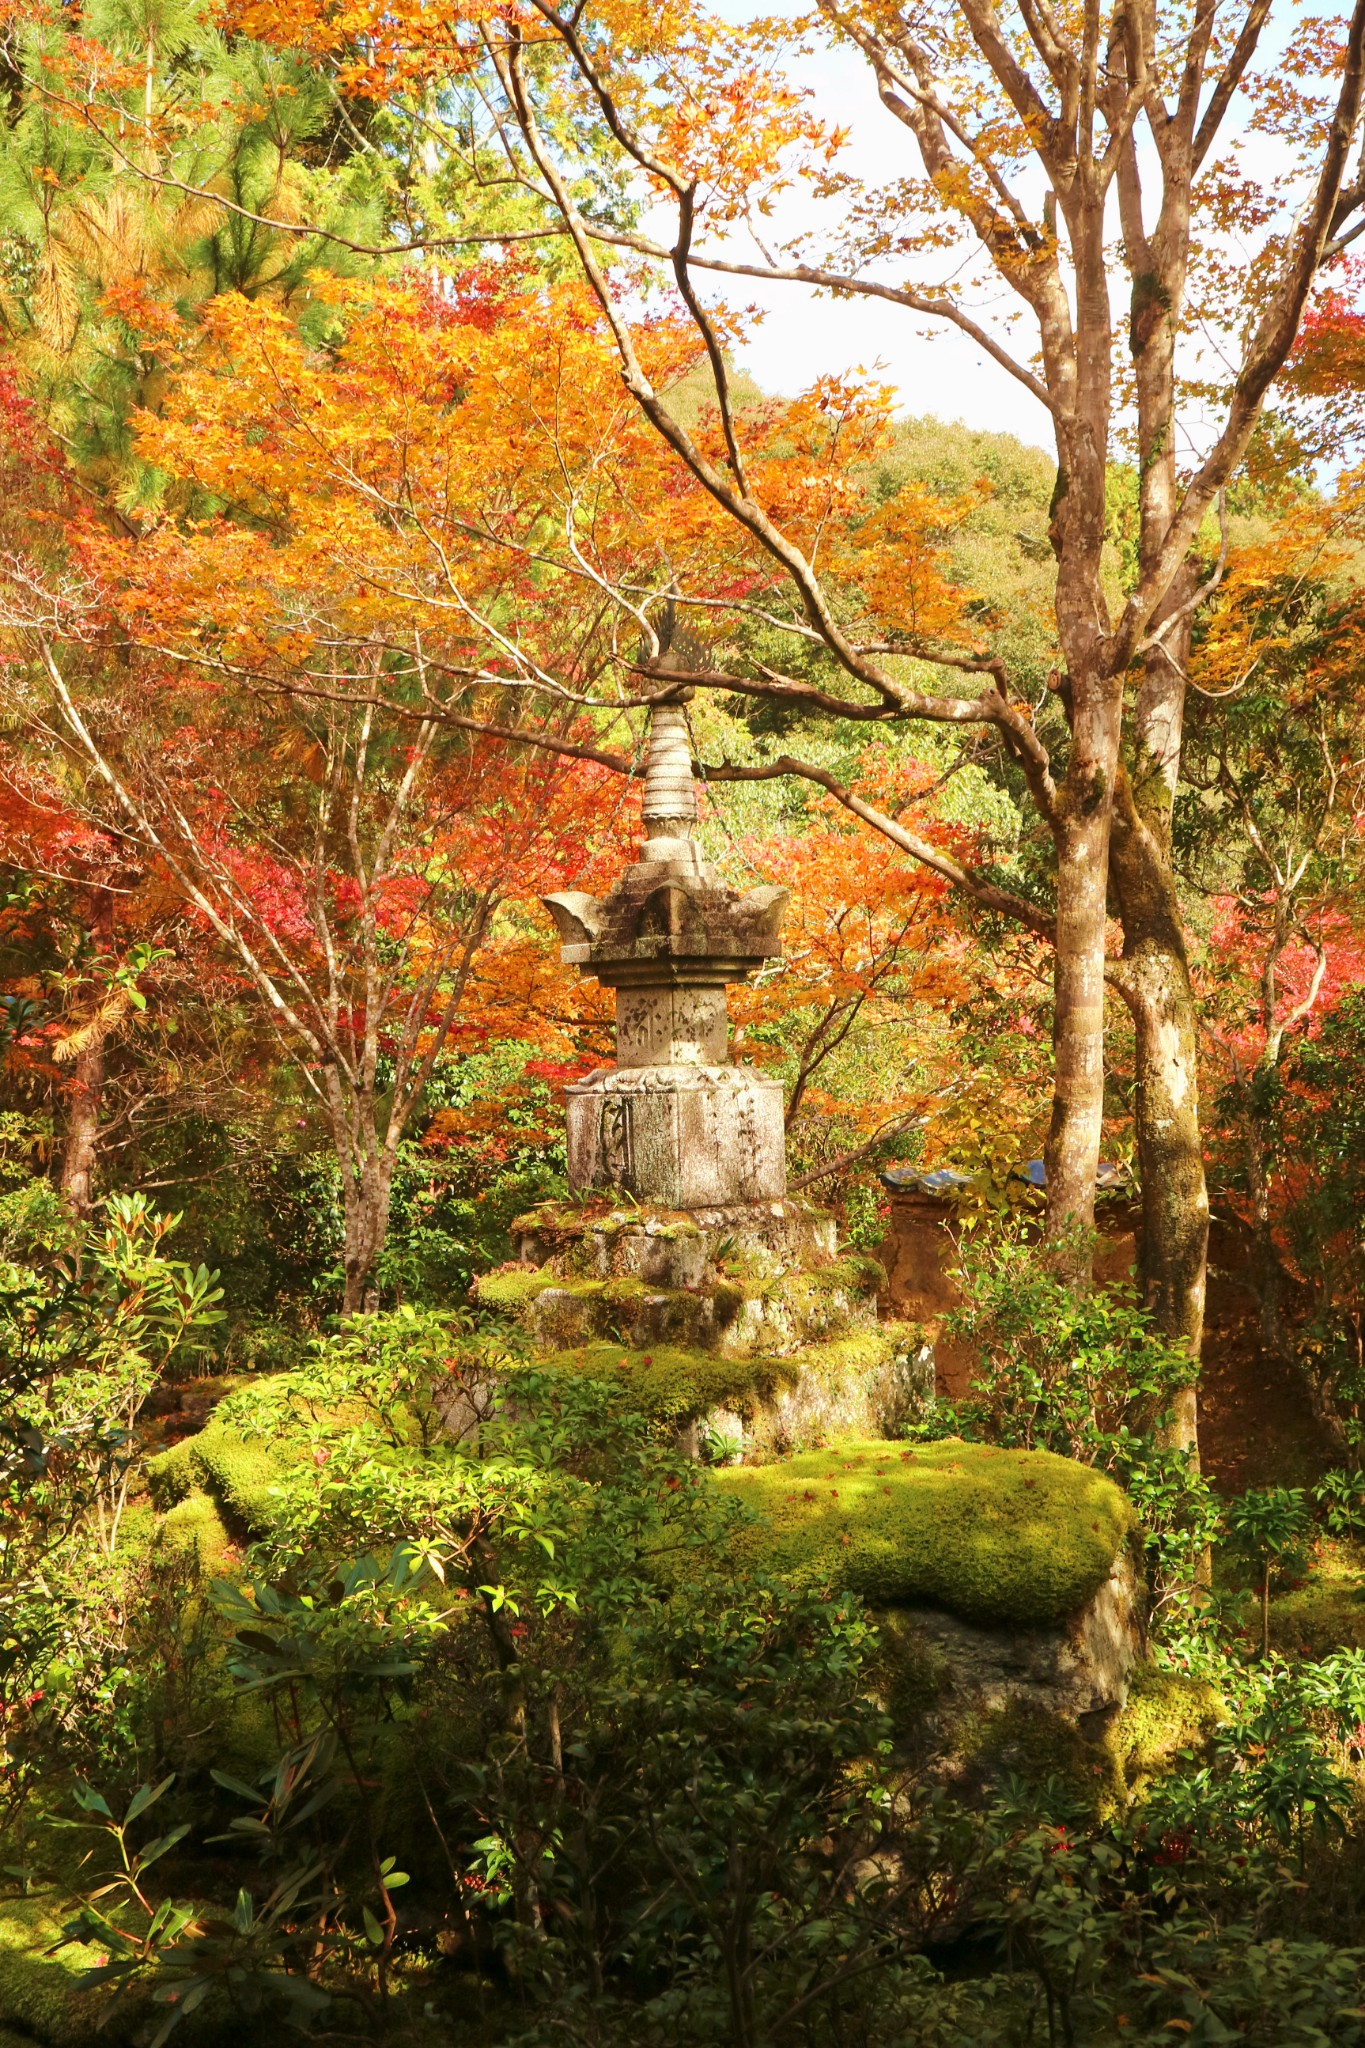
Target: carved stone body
685,1137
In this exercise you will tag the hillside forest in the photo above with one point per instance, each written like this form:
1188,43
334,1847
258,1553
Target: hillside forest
445,1598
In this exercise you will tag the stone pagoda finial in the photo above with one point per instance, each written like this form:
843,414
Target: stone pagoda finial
670,801
673,1122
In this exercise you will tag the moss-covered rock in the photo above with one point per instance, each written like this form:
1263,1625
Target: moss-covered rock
855,1273
170,1474
993,1536
512,1288
1027,1744
671,1384
194,1528
864,1381
1166,1713
240,1473
237,1473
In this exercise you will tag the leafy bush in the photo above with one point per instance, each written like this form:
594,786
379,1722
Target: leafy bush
1087,1376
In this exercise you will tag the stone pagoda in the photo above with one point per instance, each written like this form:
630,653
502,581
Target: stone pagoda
674,1122
681,1269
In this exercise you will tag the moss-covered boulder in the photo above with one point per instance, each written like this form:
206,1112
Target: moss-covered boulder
996,1537
670,1382
238,1473
195,1530
1165,1715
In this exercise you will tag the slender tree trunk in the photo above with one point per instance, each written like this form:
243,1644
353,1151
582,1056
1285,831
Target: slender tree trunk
80,1151
1082,833
1269,1272
81,1148
1154,980
1073,1140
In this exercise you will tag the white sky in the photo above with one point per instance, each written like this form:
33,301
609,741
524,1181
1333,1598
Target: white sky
804,336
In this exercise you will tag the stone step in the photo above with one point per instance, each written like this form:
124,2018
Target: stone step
734,1317
676,1248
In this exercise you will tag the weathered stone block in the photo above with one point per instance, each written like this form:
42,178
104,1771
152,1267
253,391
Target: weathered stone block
685,1137
681,1248
671,1027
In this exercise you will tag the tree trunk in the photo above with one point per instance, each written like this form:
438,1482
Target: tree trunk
1081,833
81,1149
1269,1272
1154,980
365,1213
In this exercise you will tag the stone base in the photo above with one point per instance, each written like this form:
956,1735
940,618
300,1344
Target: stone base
755,1280
678,1248
955,1679
683,1137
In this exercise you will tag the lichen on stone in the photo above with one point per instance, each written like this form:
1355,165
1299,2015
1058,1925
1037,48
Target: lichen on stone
993,1536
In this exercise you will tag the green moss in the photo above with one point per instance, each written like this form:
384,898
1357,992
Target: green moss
194,1525
599,1213
1166,1713
729,1299
38,1992
241,1473
237,1472
508,1292
628,1292
170,1474
137,1529
993,1536
1047,1751
674,1384
911,1674
855,1274
671,1384
1325,1613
